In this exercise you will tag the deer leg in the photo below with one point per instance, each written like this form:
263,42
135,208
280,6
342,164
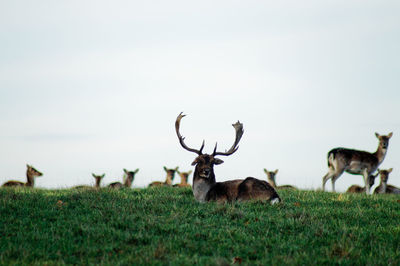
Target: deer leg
366,181
324,179
335,176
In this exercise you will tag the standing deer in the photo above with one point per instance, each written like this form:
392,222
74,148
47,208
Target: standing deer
97,185
271,179
205,187
31,173
360,189
184,179
128,177
383,186
355,162
168,180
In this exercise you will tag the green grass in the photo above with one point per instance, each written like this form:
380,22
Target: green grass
166,226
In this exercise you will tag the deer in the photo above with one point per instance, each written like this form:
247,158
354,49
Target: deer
206,189
31,173
184,179
356,162
271,180
360,189
383,186
128,180
169,178
97,184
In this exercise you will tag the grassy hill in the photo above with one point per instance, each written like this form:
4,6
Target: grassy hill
167,226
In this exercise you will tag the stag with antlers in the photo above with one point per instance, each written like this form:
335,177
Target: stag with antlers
205,187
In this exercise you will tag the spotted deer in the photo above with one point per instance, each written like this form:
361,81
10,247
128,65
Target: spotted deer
360,189
184,179
169,178
205,188
128,180
355,162
383,186
272,180
31,173
98,179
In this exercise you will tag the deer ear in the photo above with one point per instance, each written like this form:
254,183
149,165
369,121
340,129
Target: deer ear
190,172
195,162
390,135
377,135
176,168
265,170
126,171
93,175
103,175
217,161
276,171
165,169
137,170
390,170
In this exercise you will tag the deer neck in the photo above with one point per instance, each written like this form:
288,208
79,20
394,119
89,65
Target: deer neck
202,185
272,182
30,179
184,180
168,179
382,187
128,181
98,180
380,154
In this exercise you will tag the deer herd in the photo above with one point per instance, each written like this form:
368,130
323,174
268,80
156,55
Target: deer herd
205,187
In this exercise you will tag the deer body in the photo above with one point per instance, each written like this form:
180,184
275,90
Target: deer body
168,180
271,175
129,176
355,162
383,186
98,179
31,173
205,187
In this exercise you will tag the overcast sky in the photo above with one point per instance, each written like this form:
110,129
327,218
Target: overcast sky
95,87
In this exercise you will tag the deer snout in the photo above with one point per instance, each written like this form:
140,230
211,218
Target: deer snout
205,172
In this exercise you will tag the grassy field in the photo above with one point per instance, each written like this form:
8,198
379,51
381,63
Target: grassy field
166,226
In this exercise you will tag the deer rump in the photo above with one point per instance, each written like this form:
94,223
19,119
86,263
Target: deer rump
238,190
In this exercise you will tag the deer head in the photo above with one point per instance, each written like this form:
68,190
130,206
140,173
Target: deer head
205,162
271,176
385,174
384,140
32,172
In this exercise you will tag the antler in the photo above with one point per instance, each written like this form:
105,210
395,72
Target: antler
239,132
181,138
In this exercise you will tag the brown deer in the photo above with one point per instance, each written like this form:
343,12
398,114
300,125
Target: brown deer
168,180
271,179
31,173
355,162
128,177
360,189
184,179
383,186
205,187
97,185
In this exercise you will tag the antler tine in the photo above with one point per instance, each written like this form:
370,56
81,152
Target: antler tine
239,133
181,138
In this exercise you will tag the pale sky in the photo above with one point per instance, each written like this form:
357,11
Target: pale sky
95,87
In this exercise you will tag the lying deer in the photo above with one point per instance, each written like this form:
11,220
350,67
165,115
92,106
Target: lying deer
360,189
184,179
355,162
128,177
31,173
168,180
97,185
205,187
271,179
383,186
